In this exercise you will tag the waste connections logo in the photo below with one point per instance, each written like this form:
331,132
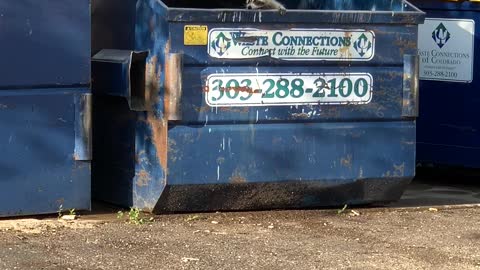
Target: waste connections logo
292,44
362,45
221,44
440,35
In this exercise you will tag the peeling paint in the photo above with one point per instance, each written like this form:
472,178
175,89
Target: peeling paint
143,178
399,170
160,136
347,161
152,79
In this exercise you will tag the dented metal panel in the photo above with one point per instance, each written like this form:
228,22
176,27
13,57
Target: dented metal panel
254,110
45,107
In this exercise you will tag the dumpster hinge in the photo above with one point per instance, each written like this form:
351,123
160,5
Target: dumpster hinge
83,127
410,85
173,86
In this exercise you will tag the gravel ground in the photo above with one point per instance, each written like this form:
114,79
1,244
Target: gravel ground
381,238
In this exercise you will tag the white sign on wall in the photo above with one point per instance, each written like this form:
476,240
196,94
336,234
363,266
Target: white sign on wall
446,48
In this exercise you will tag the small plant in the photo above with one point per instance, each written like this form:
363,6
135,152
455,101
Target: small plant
60,211
341,211
135,217
192,218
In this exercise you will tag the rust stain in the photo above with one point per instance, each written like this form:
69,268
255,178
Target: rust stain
172,150
347,161
173,84
234,109
220,160
138,156
159,137
245,89
345,50
300,116
202,109
143,178
236,178
405,44
152,81
399,170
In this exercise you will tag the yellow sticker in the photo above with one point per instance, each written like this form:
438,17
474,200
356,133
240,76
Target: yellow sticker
195,35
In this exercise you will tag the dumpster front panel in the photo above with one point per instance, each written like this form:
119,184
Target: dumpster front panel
39,33
40,169
245,153
449,99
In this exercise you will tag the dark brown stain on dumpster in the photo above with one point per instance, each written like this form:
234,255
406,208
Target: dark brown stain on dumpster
159,128
143,178
152,79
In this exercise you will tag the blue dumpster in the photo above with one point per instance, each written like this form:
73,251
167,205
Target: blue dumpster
448,128
201,109
45,101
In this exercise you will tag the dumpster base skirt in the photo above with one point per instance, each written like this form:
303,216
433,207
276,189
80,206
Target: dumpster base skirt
279,195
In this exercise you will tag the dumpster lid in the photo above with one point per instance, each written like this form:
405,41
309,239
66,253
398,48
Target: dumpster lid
181,11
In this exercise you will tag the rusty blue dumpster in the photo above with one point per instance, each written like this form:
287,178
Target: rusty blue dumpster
448,128
45,100
204,108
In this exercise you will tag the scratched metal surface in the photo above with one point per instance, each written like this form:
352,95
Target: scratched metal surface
44,43
45,106
148,160
448,126
39,167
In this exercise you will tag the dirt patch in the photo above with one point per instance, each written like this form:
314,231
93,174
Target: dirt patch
367,239
37,226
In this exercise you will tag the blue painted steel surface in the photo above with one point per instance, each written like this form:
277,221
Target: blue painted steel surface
44,43
38,166
179,154
45,106
448,126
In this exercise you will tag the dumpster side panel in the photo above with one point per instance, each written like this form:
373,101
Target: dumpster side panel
113,151
129,167
39,172
38,32
448,128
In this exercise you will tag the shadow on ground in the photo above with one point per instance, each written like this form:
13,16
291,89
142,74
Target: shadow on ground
431,187
442,186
